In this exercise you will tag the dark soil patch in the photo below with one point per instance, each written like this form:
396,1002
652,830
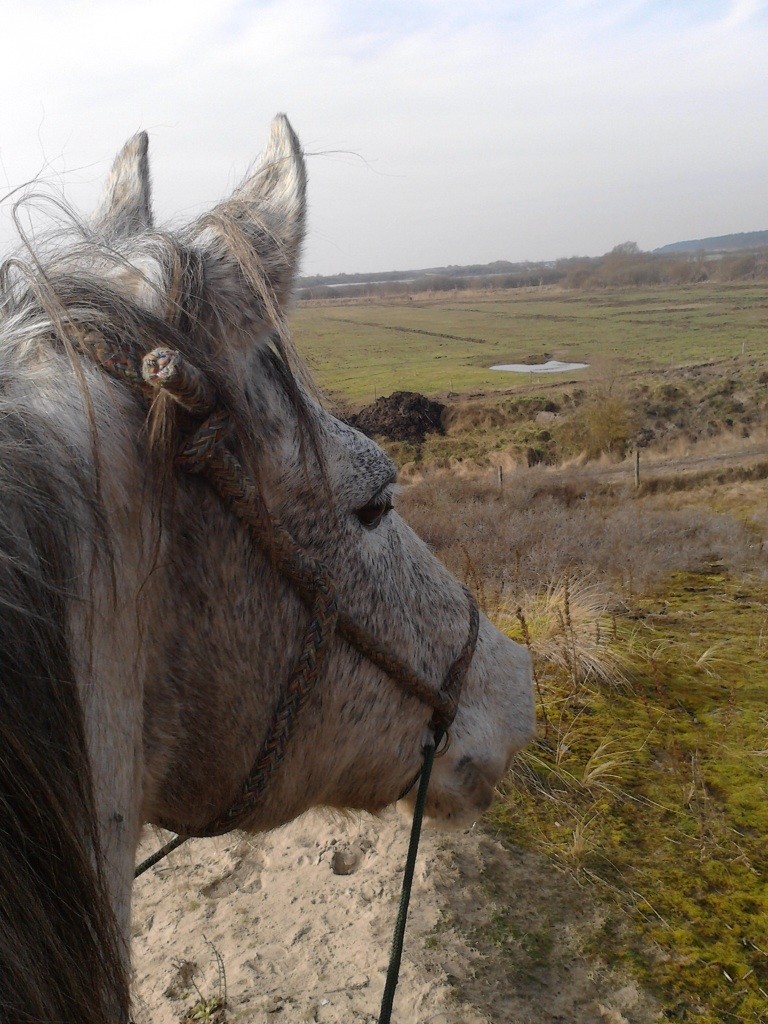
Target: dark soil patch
402,416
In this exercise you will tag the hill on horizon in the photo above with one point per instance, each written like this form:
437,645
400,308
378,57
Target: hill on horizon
719,243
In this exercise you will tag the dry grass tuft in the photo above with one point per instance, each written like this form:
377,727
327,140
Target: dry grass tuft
567,626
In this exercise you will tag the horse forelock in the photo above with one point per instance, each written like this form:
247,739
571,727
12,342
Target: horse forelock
158,289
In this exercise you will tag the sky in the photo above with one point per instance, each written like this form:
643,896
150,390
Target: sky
436,131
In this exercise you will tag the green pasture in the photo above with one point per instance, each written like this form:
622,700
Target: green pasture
655,792
360,350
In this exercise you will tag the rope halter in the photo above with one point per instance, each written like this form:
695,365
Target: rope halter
206,454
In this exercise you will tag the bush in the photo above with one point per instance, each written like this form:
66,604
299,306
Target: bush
605,426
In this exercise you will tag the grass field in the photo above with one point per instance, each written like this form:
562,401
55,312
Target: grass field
360,350
655,792
646,609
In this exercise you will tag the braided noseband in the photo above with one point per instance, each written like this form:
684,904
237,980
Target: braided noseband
206,454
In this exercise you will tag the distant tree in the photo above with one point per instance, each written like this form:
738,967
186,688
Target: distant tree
685,271
625,249
579,277
737,267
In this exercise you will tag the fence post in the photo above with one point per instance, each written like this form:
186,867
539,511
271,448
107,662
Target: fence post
637,468
501,480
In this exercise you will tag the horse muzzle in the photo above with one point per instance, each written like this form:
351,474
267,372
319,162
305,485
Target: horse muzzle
495,720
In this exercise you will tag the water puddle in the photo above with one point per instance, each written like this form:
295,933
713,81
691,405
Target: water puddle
551,366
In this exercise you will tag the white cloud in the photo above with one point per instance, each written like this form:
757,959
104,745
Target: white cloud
483,131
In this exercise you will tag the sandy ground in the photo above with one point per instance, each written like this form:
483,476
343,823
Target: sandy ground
272,924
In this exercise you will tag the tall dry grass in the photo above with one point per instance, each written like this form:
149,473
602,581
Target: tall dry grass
548,523
569,629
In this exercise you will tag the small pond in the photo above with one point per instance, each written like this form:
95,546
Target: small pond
551,366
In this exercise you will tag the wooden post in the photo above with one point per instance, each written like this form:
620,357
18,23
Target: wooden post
501,480
637,468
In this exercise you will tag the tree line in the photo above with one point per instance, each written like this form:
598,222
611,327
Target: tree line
626,265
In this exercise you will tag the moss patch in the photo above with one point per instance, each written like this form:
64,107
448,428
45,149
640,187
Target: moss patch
670,816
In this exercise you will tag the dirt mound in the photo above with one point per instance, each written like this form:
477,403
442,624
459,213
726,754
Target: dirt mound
402,416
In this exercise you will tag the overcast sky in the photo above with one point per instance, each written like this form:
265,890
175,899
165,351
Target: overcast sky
437,131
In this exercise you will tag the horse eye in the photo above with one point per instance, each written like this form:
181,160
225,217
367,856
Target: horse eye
372,513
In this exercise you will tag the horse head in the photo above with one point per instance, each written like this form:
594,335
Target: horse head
359,740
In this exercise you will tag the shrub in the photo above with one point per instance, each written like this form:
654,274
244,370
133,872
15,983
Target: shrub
604,426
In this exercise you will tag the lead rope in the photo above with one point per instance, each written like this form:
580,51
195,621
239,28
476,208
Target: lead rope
158,855
396,954
398,938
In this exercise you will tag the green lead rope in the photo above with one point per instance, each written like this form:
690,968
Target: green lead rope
393,972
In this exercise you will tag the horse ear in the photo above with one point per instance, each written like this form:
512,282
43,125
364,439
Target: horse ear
259,230
125,207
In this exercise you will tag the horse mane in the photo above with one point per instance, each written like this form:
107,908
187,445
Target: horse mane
61,958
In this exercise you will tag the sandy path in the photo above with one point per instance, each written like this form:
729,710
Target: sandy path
299,942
